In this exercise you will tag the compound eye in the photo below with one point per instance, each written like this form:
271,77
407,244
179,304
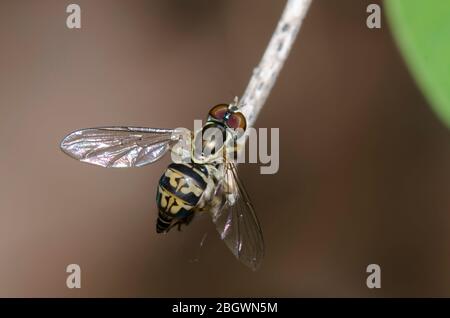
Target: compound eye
237,121
218,111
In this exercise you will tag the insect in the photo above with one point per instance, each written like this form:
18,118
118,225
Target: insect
204,179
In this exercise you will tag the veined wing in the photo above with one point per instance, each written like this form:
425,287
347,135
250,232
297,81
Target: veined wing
119,147
236,221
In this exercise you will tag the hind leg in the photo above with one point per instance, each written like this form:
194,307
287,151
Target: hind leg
184,221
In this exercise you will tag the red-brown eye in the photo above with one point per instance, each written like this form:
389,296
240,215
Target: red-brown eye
218,111
237,121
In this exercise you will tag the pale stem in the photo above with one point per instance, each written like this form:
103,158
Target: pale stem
266,73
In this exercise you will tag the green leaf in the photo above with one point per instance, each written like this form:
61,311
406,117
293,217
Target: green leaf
422,30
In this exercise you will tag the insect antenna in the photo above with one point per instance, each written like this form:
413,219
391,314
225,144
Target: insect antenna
236,104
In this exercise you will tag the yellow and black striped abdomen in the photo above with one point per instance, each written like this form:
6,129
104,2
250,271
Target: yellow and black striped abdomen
180,189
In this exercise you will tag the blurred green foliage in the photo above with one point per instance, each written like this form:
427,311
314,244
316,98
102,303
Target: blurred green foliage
422,30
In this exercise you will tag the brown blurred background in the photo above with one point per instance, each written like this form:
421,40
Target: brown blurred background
364,166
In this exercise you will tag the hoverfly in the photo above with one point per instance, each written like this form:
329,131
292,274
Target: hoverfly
205,179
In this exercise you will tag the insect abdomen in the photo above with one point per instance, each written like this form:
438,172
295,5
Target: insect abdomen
163,222
179,191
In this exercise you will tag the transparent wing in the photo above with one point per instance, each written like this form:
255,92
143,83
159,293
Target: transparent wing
119,147
236,221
